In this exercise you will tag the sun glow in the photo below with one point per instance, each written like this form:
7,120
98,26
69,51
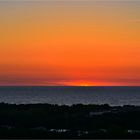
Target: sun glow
88,83
84,85
79,83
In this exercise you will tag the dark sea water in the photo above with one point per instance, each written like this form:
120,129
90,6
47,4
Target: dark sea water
71,95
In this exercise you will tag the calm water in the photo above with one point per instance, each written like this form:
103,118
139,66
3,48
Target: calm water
71,95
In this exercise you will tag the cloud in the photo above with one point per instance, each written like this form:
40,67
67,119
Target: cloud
134,20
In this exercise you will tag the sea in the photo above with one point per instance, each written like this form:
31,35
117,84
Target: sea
63,95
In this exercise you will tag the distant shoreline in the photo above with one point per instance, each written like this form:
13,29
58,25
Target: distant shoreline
60,105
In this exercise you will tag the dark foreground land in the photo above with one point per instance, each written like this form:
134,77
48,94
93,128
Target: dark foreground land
76,121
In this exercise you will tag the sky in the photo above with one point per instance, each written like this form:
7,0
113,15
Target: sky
70,43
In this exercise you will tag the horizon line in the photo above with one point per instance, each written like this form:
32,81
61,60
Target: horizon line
68,86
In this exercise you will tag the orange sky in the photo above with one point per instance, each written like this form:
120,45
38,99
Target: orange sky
70,43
